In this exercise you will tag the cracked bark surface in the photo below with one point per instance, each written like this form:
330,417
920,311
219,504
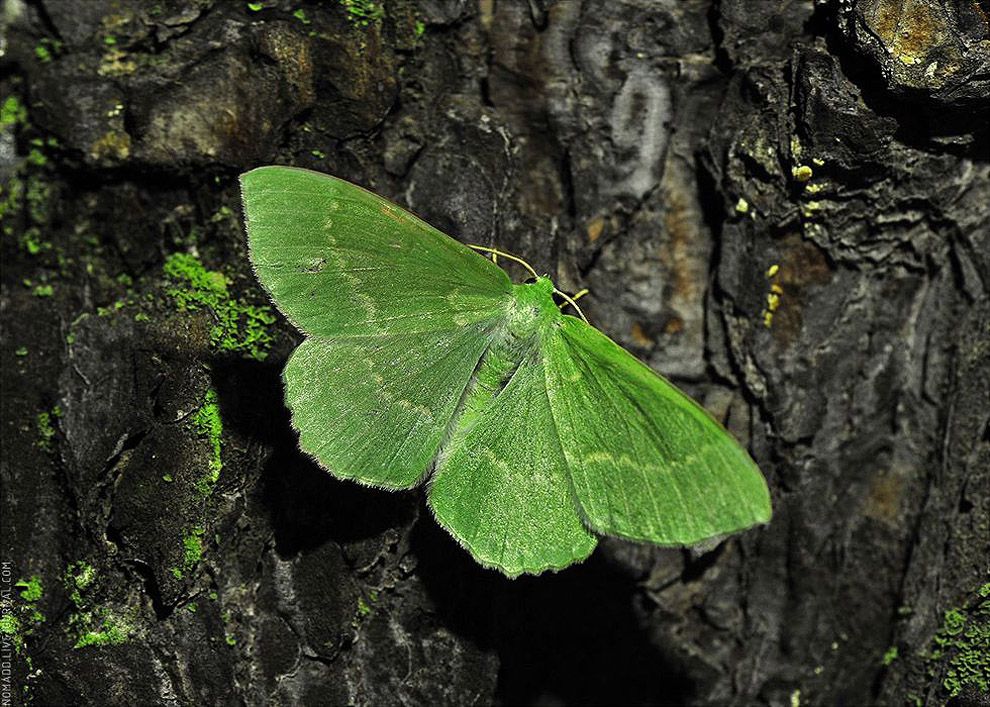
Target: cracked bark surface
684,159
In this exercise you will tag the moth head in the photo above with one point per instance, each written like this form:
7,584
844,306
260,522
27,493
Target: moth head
533,306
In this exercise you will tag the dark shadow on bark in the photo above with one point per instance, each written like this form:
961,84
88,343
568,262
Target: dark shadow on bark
252,400
567,638
307,505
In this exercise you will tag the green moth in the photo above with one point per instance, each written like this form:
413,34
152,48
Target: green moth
534,432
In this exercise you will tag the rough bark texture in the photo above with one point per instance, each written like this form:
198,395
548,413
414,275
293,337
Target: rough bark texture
782,205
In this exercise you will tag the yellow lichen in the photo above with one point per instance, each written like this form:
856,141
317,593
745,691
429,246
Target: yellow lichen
773,296
116,63
114,144
595,228
909,29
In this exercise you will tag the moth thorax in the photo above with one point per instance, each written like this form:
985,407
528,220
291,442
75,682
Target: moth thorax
532,308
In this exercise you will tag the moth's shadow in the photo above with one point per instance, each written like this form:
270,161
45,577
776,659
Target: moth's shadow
307,505
568,638
571,637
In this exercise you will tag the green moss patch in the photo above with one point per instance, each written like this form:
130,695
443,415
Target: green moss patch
25,197
240,327
192,544
31,589
22,619
111,630
964,640
208,423
192,552
12,112
889,656
11,626
92,626
362,13
46,427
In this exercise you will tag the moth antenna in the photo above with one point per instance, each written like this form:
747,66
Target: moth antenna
570,301
495,253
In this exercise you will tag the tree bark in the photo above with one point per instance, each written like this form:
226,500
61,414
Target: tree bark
781,205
